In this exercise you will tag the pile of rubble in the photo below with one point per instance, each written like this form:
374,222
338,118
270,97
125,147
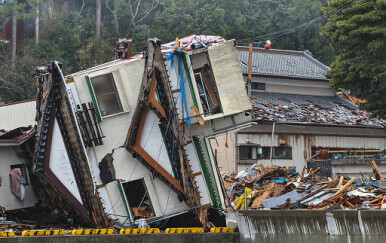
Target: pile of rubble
275,187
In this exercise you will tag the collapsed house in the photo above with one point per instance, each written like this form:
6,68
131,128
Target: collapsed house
129,139
301,122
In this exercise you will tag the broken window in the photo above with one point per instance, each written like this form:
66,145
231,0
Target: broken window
257,152
206,84
257,86
344,153
253,152
106,94
282,153
138,198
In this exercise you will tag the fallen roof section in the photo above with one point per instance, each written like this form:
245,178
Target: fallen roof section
16,136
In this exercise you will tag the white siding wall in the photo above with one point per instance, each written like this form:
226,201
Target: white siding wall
8,200
294,86
17,115
115,129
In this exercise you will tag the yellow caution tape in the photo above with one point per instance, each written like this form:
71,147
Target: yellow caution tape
134,231
110,231
196,230
184,230
7,234
77,232
222,229
28,233
57,232
95,231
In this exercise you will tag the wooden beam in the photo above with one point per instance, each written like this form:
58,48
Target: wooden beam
345,186
376,170
152,97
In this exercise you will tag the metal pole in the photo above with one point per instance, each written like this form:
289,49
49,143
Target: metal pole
273,133
245,198
249,70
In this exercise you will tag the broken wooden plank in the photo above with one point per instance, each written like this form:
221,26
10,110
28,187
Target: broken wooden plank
346,186
376,170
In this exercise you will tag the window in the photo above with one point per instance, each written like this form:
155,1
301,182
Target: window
106,94
257,152
23,171
282,153
206,84
138,198
345,153
258,86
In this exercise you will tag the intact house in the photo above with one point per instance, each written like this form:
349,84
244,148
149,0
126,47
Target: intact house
129,139
16,130
300,120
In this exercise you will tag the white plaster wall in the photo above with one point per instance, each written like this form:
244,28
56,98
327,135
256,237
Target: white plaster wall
8,200
60,163
196,167
175,84
115,129
152,142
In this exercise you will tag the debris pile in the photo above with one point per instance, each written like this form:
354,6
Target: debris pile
275,187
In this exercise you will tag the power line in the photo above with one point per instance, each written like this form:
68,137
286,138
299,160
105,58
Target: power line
303,26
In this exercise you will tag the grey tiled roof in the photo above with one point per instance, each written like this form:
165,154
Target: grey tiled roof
284,63
293,108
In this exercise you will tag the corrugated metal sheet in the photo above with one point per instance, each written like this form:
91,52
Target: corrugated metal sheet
302,144
16,115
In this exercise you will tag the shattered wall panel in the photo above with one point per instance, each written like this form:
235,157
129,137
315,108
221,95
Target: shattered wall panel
229,80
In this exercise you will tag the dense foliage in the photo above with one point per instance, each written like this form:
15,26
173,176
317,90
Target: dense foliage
360,33
67,30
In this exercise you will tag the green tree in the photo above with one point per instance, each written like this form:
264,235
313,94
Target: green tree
359,30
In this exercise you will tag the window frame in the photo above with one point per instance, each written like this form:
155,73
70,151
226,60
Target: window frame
95,99
258,84
264,152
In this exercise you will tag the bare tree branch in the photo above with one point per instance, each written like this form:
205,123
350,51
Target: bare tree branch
81,8
137,17
115,15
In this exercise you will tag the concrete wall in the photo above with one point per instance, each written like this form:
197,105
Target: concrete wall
8,200
295,86
255,224
151,238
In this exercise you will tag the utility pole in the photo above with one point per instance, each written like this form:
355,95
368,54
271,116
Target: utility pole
249,70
